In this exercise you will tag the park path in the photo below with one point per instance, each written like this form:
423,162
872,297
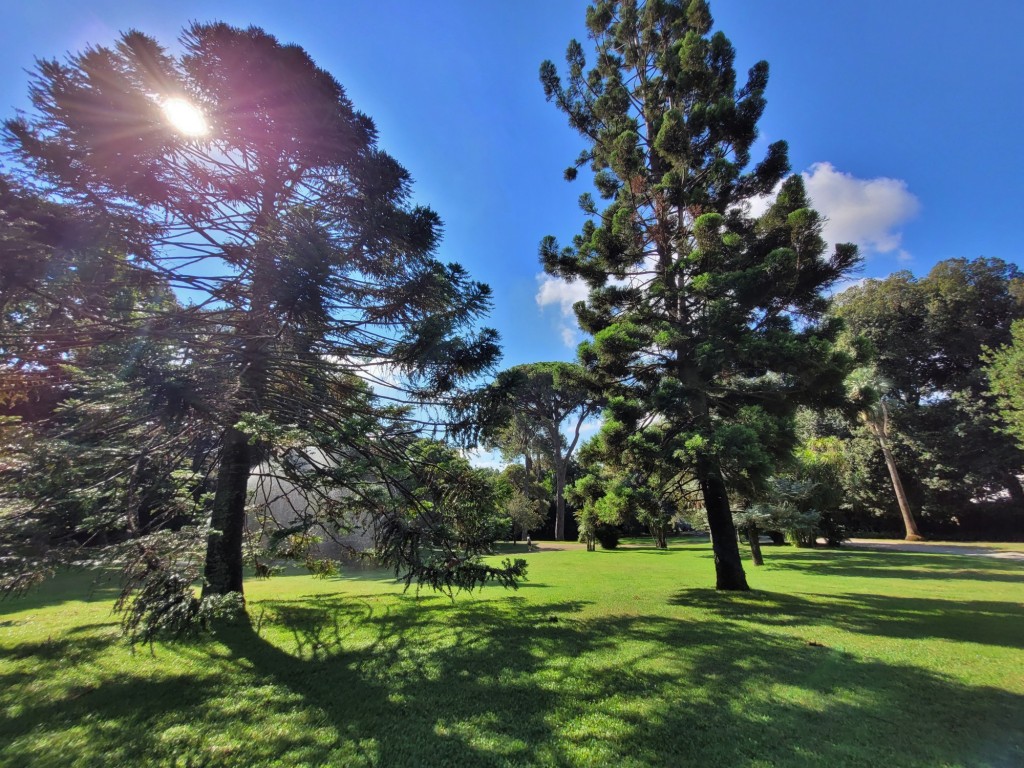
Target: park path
938,548
884,545
556,546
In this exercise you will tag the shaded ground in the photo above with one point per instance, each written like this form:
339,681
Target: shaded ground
1004,552
624,658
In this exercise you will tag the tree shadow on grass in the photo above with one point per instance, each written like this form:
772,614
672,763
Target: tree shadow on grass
329,680
430,677
987,622
72,584
745,697
484,684
896,565
78,644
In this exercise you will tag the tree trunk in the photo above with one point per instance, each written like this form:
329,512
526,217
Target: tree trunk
560,500
659,536
901,496
223,568
754,537
1015,489
223,571
728,566
528,474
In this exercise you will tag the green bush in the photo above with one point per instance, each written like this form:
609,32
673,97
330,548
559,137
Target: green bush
607,536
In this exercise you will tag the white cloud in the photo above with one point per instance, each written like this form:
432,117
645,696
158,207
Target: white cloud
757,205
553,291
868,212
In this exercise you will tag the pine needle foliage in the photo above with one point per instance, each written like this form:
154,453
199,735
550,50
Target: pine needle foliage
707,321
303,271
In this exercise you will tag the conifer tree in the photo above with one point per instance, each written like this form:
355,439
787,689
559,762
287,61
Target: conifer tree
240,175
707,321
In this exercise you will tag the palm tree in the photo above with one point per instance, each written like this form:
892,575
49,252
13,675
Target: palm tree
868,387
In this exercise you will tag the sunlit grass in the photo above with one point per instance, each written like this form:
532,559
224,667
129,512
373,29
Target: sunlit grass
605,658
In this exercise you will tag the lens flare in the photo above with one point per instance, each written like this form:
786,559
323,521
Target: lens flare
185,117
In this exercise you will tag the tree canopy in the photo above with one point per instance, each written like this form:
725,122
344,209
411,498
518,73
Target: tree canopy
530,405
710,323
928,336
1005,370
240,175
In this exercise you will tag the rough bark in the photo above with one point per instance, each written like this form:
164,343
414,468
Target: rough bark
224,560
754,537
528,475
223,571
728,566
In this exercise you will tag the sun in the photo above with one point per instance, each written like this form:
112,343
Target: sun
185,117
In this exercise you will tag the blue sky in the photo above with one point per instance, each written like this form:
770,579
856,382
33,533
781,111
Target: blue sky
905,117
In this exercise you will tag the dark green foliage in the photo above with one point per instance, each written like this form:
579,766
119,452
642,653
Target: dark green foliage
928,332
158,600
68,297
807,500
467,499
307,268
610,494
524,514
1005,371
708,325
104,449
868,502
929,335
524,411
872,395
607,536
451,515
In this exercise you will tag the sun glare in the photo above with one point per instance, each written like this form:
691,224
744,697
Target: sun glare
186,118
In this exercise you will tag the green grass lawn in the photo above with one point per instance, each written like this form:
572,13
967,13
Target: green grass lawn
622,658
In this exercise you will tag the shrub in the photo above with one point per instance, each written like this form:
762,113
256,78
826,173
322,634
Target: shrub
607,536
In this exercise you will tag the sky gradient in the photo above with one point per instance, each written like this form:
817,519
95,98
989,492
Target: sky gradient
904,117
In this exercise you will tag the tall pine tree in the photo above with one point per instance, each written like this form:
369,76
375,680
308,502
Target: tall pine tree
707,321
